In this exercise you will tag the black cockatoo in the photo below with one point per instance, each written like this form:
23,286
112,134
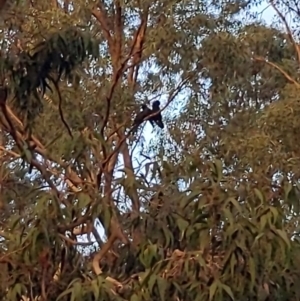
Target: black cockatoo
156,119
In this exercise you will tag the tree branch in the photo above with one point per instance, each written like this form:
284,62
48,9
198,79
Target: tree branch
137,44
284,73
288,29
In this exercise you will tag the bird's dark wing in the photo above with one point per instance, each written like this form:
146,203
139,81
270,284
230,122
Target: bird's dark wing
157,118
142,115
159,122
152,122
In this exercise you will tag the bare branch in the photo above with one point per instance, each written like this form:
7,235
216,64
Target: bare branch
138,42
101,16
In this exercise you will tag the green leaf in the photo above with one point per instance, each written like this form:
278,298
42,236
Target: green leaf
182,224
76,292
218,169
213,289
190,231
204,238
202,262
18,288
151,282
284,237
152,250
287,187
263,222
259,195
235,203
64,293
73,282
96,288
228,290
168,236
257,238
162,285
107,215
228,215
83,200
37,241
186,200
15,220
178,287
252,272
27,152
134,297
275,213
149,253
144,277
233,262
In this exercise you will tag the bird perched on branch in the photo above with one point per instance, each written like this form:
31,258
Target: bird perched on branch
156,118
146,112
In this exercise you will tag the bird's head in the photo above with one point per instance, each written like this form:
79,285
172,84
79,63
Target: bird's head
156,104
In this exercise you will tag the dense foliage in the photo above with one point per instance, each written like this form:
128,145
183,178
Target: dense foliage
205,209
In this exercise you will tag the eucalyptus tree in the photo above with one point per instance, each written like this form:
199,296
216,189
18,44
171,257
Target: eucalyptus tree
198,215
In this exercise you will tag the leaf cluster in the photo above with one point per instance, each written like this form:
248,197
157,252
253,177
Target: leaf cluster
30,73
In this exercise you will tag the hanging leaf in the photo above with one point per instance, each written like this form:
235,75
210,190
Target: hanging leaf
213,289
162,287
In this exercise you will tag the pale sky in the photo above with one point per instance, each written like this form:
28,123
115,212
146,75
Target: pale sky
267,12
